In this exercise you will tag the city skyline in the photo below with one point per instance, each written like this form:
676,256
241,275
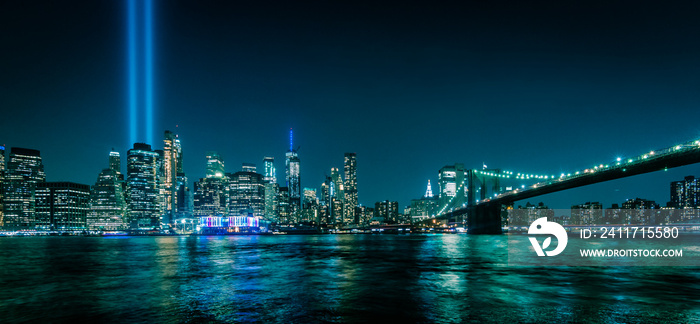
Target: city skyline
409,89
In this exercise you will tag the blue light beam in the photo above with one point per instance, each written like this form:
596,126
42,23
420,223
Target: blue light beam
148,45
133,118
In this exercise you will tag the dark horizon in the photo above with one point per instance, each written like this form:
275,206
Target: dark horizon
536,88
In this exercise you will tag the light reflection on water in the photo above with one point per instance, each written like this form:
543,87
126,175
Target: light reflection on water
326,278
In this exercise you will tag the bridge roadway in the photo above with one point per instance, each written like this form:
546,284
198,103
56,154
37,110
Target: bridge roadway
484,217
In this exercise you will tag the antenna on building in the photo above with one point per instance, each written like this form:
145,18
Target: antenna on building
291,146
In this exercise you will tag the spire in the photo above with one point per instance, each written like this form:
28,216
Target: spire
429,191
291,146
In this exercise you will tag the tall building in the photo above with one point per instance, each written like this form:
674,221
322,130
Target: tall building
107,203
2,177
24,171
685,193
350,165
210,196
271,189
184,196
283,208
325,201
424,207
451,179
246,194
270,174
293,177
62,206
249,167
143,189
172,164
388,210
337,192
215,165
115,162
310,212
428,191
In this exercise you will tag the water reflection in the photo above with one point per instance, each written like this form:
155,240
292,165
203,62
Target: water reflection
330,278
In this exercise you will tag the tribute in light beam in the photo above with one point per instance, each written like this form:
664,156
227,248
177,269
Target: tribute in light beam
148,45
132,71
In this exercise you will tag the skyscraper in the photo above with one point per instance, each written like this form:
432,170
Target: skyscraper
107,203
62,205
271,188
350,187
24,171
115,162
210,193
283,208
172,152
428,191
246,193
184,196
143,187
685,193
215,165
451,179
210,197
424,207
293,177
2,177
337,192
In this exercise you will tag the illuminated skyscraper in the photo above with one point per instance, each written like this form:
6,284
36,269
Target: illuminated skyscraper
24,171
424,207
215,165
160,178
271,189
210,197
143,186
62,206
172,152
184,196
115,162
293,177
2,177
429,191
350,188
246,194
325,201
283,205
451,179
337,197
685,193
270,174
107,204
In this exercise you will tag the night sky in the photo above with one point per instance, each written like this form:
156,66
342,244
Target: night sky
537,87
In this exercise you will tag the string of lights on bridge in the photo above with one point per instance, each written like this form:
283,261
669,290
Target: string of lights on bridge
619,162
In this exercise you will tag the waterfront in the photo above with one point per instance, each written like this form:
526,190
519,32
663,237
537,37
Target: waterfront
323,278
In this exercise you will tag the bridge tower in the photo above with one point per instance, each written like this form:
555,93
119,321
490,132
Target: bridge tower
481,184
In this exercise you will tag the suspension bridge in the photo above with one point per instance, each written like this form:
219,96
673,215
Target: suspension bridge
481,200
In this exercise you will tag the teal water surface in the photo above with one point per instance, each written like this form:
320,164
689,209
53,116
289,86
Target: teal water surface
323,278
